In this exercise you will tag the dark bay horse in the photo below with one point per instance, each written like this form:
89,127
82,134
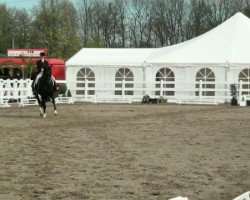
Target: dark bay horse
46,89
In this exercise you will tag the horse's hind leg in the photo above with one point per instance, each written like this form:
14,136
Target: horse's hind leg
54,104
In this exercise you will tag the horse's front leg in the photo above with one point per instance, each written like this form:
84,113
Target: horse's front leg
44,107
39,100
41,111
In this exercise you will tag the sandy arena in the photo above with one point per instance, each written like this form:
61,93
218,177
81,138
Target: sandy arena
128,152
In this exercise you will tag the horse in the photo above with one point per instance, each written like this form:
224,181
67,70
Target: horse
46,89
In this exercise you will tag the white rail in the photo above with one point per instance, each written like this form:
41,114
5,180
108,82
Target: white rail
129,91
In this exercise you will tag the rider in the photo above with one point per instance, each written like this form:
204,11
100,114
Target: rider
41,64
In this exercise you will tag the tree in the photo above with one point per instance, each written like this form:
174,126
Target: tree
108,19
246,8
168,18
90,31
102,23
55,28
5,28
84,16
197,22
28,67
140,23
21,28
122,6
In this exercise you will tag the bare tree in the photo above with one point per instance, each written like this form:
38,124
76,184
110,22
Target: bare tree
246,9
148,23
197,22
220,10
84,21
122,7
109,23
168,21
140,23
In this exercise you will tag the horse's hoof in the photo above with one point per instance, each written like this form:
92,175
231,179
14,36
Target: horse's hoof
44,115
41,114
55,113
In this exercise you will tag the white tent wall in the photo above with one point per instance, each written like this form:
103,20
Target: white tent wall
150,74
233,73
104,80
220,78
184,75
145,76
71,73
224,51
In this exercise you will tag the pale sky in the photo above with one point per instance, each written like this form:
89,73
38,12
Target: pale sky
28,4
20,3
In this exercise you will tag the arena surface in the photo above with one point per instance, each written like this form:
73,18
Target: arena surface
132,152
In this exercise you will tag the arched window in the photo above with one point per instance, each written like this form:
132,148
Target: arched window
165,74
124,74
206,75
83,75
244,76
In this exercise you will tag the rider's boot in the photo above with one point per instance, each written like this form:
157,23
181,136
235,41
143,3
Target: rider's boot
34,88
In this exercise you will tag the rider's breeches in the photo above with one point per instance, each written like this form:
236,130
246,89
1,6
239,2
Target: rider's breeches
37,77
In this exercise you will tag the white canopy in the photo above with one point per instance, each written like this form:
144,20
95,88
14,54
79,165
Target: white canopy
110,57
228,43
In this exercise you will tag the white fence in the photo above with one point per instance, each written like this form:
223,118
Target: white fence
15,89
20,91
129,90
173,91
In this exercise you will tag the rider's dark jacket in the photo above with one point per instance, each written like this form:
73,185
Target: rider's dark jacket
42,65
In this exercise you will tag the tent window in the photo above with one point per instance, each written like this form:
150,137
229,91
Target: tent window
206,75
82,75
124,74
244,76
166,75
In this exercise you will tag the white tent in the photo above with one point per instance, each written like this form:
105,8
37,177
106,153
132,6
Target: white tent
110,57
220,57
226,44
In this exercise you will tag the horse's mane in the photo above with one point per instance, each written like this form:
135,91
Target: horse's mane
45,84
47,73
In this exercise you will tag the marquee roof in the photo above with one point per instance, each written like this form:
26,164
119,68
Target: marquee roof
110,57
228,43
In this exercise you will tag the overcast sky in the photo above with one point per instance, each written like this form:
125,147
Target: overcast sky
28,4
